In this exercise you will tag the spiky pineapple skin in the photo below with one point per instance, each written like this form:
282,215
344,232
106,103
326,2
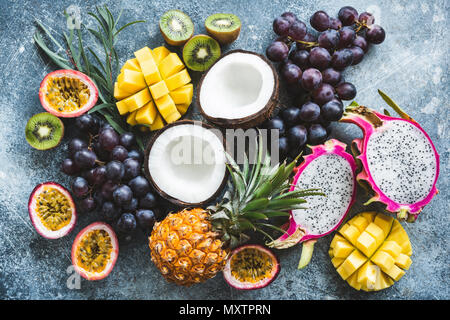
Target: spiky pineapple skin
185,249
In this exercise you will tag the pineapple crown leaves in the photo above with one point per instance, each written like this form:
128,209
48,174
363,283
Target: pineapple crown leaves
256,193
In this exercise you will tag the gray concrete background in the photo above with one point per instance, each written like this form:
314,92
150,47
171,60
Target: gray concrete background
411,66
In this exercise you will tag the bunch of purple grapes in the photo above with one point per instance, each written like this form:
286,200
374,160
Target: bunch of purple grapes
109,179
312,66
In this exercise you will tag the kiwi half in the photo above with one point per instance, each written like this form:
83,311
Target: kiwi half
200,52
44,131
176,27
224,27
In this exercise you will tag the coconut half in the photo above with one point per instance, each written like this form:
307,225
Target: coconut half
240,90
185,161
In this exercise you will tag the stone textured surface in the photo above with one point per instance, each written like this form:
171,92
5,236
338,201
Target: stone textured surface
411,65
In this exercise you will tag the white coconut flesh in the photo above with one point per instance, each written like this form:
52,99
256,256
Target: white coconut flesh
187,162
333,175
402,162
237,86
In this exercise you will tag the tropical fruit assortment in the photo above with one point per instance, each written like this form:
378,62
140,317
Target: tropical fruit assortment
123,182
371,251
154,88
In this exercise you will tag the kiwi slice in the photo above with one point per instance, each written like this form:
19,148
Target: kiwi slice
176,27
224,27
44,131
200,52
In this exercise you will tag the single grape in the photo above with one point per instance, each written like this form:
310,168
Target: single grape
87,204
89,176
122,195
348,15
317,134
291,73
291,115
109,211
300,58
69,167
87,123
319,58
332,110
135,154
107,189
341,59
291,17
375,34
358,54
331,76
309,112
126,223
127,139
361,42
85,158
329,39
311,79
297,137
102,154
148,201
75,145
108,139
297,30
320,21
277,51
99,175
115,170
335,24
366,18
275,123
119,153
307,38
132,168
323,94
281,26
346,36
131,206
139,185
80,187
283,147
146,219
346,91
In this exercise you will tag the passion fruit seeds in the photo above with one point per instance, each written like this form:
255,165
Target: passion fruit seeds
94,251
251,265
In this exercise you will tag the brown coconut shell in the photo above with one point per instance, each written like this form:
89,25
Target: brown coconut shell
252,120
158,189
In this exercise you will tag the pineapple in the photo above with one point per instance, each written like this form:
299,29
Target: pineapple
192,245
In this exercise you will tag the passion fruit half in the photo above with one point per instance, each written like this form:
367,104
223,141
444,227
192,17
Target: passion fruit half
52,210
67,93
251,267
95,251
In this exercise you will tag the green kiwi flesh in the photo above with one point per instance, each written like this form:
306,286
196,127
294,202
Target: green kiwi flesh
200,52
176,27
44,131
224,27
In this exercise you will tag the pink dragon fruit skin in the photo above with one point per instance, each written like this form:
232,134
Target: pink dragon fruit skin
329,218
373,123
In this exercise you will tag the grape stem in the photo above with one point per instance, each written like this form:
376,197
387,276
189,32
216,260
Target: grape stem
307,43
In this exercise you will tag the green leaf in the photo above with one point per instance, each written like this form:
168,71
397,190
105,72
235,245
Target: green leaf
284,204
300,193
270,226
127,25
354,104
394,106
257,204
59,61
220,215
49,35
254,215
271,214
100,107
245,224
113,123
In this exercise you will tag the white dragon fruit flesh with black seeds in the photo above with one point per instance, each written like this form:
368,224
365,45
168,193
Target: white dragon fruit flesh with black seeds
331,170
400,164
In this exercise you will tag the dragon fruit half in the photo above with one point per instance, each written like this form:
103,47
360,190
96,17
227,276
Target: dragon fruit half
399,162
332,170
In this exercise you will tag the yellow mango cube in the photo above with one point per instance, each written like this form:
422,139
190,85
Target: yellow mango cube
131,118
182,108
170,65
131,81
360,222
160,53
158,90
143,54
368,215
157,124
342,249
336,238
353,281
395,273
183,95
337,261
122,107
368,274
120,94
167,109
399,235
392,248
178,80
150,71
351,264
131,64
384,222
138,100
351,233
383,259
366,243
376,232
146,114
403,261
